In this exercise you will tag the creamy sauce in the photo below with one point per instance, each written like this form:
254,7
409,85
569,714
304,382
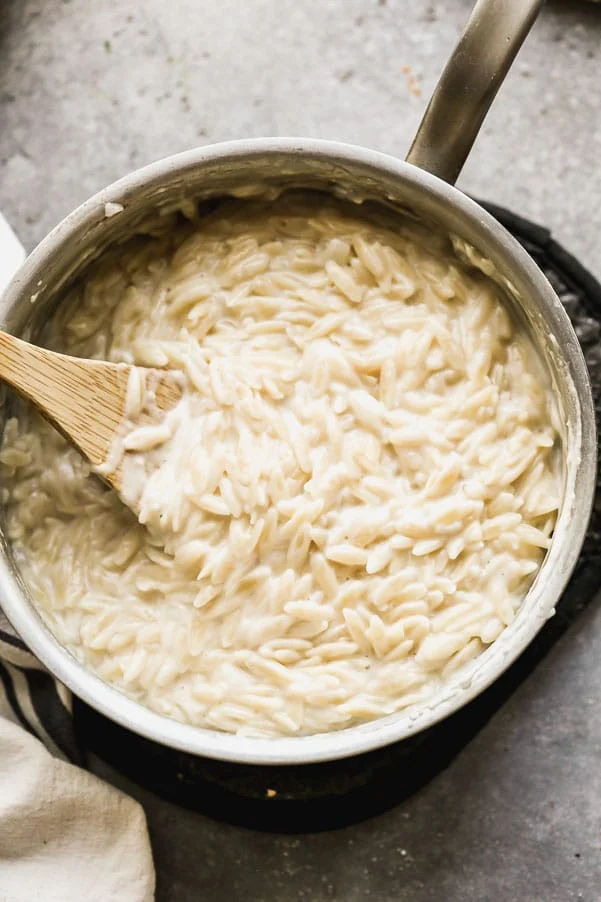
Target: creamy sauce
349,502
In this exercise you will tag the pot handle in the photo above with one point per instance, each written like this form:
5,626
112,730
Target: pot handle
468,85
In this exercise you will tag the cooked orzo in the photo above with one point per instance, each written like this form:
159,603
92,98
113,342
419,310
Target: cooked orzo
350,502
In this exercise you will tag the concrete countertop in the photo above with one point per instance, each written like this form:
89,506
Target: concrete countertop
89,91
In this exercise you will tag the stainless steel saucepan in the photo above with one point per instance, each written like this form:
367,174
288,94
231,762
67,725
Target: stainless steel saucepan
423,185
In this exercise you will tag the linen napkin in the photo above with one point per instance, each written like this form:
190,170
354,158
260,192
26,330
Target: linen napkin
64,834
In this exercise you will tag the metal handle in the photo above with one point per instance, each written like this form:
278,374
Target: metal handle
469,83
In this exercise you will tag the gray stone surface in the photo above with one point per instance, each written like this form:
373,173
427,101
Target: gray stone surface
89,90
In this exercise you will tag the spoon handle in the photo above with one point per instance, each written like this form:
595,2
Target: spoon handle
83,399
492,37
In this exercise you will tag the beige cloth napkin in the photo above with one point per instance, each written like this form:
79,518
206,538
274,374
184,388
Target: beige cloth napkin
64,834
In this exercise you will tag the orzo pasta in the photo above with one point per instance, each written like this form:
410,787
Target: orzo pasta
352,499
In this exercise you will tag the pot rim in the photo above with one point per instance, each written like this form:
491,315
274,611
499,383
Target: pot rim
358,739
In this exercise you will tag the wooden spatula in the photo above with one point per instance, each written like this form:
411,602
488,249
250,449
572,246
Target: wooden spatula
83,399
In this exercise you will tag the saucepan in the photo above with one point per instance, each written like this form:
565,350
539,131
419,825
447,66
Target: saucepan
423,185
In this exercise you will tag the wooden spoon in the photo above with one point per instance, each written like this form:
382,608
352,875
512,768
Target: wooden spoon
83,399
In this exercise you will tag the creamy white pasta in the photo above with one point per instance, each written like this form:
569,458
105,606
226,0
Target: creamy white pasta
351,500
